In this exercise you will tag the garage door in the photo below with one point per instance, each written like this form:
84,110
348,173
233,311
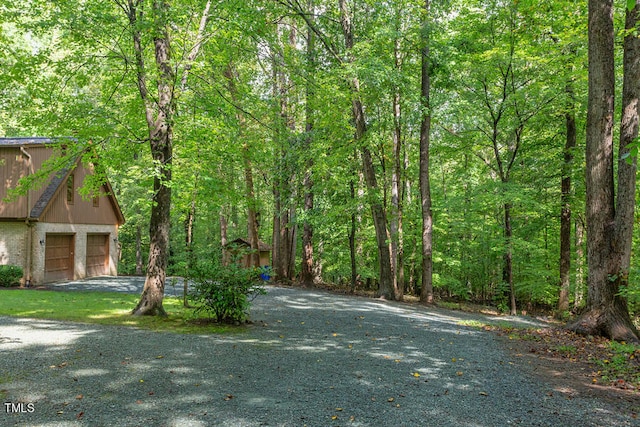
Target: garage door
97,254
58,257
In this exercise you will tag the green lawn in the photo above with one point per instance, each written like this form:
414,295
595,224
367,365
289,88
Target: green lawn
105,308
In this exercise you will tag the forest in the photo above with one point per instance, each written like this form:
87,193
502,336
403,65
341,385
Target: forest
403,147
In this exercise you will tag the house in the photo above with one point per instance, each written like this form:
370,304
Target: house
52,232
242,247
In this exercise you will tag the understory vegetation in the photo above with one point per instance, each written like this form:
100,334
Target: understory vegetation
300,127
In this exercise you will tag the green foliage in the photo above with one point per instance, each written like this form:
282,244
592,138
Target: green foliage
224,293
623,362
10,275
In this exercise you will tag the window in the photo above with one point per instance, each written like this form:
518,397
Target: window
70,188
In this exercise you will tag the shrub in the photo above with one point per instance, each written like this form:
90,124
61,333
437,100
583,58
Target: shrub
10,275
224,292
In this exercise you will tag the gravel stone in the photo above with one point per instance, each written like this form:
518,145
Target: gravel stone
310,358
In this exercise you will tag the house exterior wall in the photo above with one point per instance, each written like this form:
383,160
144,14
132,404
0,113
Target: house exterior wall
80,211
80,232
48,209
13,243
15,165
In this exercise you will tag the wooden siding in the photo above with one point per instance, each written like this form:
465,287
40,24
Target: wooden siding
81,211
13,166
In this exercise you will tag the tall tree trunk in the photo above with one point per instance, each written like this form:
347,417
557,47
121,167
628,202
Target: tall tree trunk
159,115
307,273
396,178
138,250
565,216
160,111
224,227
377,207
252,224
189,224
426,292
609,223
507,273
352,241
579,291
284,227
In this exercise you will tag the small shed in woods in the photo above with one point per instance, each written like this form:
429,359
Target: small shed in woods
51,232
242,248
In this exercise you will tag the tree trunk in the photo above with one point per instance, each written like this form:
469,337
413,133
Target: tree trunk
565,216
377,207
426,292
189,223
579,291
224,227
252,223
507,273
609,225
307,274
159,114
138,250
396,179
352,242
160,111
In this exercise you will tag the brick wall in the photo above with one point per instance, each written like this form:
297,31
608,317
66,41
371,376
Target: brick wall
13,246
13,243
80,254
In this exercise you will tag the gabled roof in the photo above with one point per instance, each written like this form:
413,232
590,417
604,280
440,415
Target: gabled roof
262,246
25,141
41,205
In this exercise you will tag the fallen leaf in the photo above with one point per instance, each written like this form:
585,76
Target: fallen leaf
228,397
159,357
79,397
141,380
80,414
338,409
139,402
453,359
151,393
483,393
334,417
391,399
459,373
60,412
415,374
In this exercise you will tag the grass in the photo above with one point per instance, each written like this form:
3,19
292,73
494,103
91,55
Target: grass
104,308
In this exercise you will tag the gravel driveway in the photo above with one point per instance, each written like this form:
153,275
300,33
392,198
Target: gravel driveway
310,358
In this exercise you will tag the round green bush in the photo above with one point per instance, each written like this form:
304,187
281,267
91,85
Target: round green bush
10,275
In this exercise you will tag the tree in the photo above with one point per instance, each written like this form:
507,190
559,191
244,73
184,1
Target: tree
160,111
426,292
610,220
378,211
